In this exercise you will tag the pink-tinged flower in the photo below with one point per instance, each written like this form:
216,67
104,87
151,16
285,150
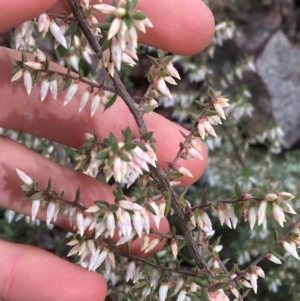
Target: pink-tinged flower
34,65
172,70
278,214
170,80
145,242
100,228
53,88
271,197
111,258
42,22
114,27
208,128
162,87
24,177
111,69
259,271
71,92
182,295
44,88
221,212
27,79
130,270
137,223
153,243
17,75
206,219
234,291
253,281
117,169
132,35
261,213
130,205
192,218
285,196
58,34
184,171
219,295
110,223
35,208
193,153
288,208
201,130
162,206
273,258
116,53
125,239
252,216
74,250
50,212
80,223
95,104
174,247
82,248
245,283
105,8
126,59
290,249
163,291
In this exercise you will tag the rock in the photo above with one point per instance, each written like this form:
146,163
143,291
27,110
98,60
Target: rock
279,68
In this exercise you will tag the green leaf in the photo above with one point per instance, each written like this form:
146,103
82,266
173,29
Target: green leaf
72,28
238,190
256,192
77,197
139,16
67,84
167,59
36,196
105,45
123,157
36,77
129,146
114,147
245,294
127,135
217,241
63,208
133,3
49,186
119,195
128,21
113,208
103,205
160,53
157,259
103,154
204,199
168,204
111,102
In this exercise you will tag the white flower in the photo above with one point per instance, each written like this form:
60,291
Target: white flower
24,177
290,249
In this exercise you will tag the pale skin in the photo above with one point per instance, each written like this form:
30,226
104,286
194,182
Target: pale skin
26,272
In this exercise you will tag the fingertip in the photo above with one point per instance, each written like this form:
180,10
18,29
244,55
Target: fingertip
183,27
13,13
29,273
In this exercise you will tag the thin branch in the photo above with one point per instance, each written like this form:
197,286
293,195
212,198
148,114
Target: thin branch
138,116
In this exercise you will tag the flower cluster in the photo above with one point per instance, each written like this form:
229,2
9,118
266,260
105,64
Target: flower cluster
124,161
120,46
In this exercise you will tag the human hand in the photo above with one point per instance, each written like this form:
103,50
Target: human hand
28,273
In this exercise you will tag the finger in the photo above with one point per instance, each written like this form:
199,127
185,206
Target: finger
13,155
181,27
31,274
13,13
66,125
